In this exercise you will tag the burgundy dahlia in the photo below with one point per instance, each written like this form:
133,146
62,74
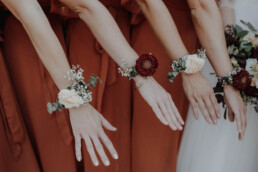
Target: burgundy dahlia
255,53
252,91
146,65
242,80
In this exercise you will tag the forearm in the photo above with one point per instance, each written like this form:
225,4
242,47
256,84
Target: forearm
208,24
43,38
105,29
164,27
228,15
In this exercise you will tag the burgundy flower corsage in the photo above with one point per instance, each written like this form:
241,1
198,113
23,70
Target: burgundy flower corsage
146,66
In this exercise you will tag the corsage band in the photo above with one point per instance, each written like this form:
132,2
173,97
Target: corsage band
77,94
189,64
146,66
238,78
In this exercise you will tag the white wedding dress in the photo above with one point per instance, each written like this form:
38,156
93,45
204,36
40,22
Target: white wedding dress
206,148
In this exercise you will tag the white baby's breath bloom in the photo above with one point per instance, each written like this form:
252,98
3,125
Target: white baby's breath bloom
234,62
233,50
194,64
254,82
69,98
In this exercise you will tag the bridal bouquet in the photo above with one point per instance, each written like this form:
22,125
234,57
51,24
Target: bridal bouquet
243,51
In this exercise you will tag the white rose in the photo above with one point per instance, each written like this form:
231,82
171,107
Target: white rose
254,82
69,98
194,64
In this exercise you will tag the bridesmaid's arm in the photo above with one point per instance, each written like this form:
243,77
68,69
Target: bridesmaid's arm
43,38
209,27
86,122
108,34
227,11
196,86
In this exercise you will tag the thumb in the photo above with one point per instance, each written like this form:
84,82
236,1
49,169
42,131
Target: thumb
106,124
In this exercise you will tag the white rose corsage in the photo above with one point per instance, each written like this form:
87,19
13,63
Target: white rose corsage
189,64
75,95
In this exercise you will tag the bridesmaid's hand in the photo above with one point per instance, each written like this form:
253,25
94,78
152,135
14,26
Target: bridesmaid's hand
236,107
160,101
87,125
199,92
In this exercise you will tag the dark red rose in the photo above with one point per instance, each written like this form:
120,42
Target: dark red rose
242,80
252,91
146,65
255,53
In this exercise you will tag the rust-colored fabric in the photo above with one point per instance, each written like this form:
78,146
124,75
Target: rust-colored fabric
16,153
155,146
113,97
50,136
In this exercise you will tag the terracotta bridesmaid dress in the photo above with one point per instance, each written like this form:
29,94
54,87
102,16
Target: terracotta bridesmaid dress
113,97
51,135
155,146
16,153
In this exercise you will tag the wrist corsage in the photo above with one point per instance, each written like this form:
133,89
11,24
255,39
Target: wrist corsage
242,44
146,66
77,94
189,64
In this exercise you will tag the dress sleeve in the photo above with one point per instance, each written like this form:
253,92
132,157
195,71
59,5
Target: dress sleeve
227,3
59,8
131,5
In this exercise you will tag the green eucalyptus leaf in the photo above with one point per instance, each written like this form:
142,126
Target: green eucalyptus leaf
238,29
242,34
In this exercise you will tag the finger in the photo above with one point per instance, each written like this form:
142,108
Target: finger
244,122
100,151
238,120
210,109
231,115
194,107
173,115
78,147
107,124
215,105
178,116
164,110
90,150
108,144
159,115
204,111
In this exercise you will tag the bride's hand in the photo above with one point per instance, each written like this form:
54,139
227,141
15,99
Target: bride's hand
160,101
199,92
236,107
87,125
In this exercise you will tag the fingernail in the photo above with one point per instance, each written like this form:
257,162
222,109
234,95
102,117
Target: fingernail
180,128
107,163
114,129
96,163
215,122
115,156
210,121
79,158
